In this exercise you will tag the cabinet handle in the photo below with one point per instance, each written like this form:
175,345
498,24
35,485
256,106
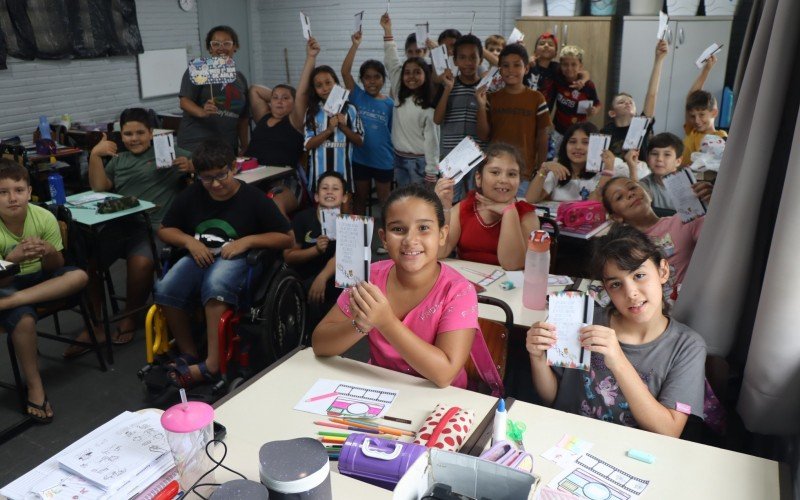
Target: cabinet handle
566,36
681,36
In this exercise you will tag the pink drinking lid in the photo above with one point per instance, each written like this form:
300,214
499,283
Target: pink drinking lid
187,417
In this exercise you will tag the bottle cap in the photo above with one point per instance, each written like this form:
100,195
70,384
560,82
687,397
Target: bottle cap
540,241
187,417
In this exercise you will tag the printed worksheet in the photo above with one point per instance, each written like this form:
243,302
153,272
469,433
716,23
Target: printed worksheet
569,311
116,456
345,399
636,133
328,221
353,250
461,159
594,158
336,99
164,150
305,24
684,200
710,51
490,76
358,19
439,57
421,30
663,25
594,478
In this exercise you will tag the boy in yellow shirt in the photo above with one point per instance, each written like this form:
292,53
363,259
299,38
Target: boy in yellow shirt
701,111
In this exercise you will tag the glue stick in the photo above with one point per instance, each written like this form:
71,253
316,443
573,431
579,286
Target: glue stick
500,421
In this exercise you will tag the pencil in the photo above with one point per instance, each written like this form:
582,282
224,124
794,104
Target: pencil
382,428
331,440
334,434
346,427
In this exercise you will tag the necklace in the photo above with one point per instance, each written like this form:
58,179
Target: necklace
480,220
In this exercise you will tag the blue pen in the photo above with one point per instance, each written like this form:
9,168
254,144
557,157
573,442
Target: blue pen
641,456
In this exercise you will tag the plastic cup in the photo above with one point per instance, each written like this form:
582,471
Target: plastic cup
189,428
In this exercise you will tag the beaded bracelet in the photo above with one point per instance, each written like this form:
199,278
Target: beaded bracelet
359,330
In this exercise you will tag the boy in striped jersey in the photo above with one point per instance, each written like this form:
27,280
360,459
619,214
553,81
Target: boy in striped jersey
457,108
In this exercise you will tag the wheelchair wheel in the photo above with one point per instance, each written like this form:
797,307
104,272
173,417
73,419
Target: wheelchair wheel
282,315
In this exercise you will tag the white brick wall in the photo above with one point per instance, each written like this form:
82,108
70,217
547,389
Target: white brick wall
93,89
332,23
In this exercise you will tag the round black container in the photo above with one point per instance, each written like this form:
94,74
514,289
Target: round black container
241,489
295,469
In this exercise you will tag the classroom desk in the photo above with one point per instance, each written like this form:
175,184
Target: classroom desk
92,222
523,317
682,469
261,411
262,173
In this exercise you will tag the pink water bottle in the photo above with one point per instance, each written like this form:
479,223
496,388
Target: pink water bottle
537,267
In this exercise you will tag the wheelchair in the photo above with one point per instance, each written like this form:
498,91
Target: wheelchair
268,323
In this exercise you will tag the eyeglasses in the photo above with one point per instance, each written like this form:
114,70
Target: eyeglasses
208,179
215,44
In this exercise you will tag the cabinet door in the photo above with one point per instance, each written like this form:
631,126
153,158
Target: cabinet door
593,35
689,39
636,63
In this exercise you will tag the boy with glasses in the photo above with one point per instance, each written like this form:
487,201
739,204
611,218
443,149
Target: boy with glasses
216,220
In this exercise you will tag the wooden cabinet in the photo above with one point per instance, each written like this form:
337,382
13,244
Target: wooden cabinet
593,34
688,37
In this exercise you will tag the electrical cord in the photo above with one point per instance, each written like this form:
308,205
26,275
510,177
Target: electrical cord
217,464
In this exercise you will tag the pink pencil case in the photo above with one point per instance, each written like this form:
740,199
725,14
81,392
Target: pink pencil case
504,453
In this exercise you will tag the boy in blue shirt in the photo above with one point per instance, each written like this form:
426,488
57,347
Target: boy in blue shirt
30,237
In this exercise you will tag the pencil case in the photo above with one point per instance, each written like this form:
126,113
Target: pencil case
377,461
504,453
245,163
446,428
111,205
577,213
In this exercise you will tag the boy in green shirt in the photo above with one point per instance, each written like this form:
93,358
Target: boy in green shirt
132,173
30,237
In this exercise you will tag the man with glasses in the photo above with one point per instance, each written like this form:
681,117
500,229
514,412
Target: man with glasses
216,220
215,110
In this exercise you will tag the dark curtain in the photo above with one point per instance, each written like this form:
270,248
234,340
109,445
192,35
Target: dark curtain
58,29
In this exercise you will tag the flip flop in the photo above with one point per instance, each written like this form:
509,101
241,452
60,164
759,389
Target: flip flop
115,340
42,408
181,377
76,351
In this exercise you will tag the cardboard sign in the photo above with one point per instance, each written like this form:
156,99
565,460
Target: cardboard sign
212,70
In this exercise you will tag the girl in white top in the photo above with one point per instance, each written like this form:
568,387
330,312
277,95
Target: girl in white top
414,134
567,179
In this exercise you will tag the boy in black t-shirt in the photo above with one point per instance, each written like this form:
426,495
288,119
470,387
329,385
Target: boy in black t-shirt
217,220
314,254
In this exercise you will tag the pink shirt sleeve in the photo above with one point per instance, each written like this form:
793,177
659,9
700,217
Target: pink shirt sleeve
344,302
696,226
462,310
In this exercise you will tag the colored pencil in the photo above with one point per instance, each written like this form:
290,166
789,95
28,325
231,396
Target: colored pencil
322,396
397,419
381,429
346,427
328,440
334,434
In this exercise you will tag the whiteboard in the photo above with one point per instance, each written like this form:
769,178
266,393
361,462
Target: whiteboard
160,72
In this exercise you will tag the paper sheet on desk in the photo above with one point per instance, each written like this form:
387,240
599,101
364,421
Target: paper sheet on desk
518,279
345,399
595,478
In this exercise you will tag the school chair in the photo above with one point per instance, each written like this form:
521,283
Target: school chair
74,255
19,425
14,152
496,335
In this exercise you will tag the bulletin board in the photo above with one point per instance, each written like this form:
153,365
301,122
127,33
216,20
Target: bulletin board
160,72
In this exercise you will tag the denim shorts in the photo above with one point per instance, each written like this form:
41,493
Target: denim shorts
409,170
186,283
10,317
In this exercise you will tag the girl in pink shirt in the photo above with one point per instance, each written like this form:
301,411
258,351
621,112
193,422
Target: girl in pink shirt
627,202
419,315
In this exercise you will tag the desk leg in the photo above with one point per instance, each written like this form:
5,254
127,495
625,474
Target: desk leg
152,238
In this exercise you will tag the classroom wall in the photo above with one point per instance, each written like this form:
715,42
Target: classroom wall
331,25
93,89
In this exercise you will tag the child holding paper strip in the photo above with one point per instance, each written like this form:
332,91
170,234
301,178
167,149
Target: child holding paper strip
566,179
647,369
490,225
623,108
420,316
375,159
701,111
330,139
628,202
415,135
567,95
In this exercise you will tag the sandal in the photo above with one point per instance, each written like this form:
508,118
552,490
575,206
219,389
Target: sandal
181,376
119,333
42,408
